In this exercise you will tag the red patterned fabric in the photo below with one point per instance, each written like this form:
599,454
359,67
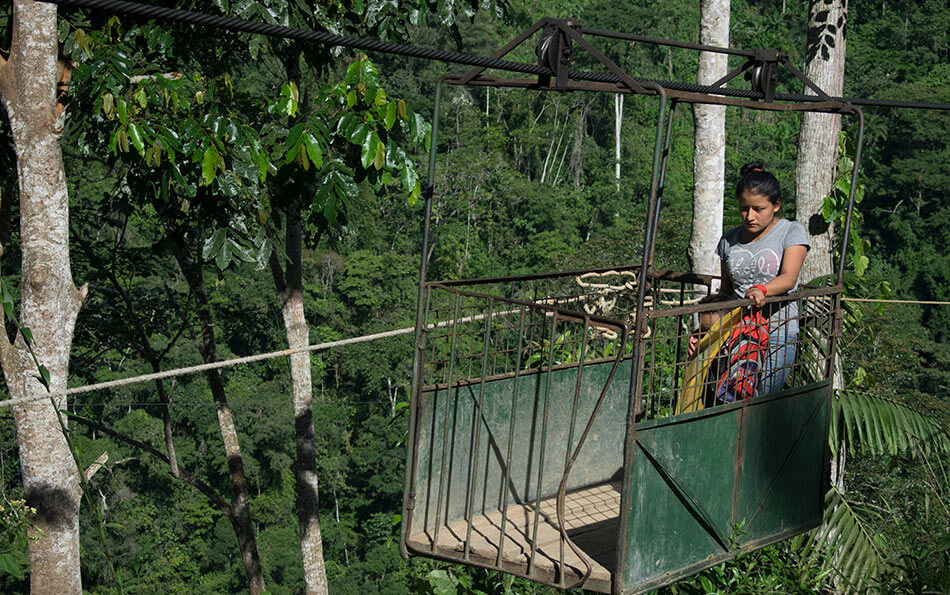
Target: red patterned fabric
742,358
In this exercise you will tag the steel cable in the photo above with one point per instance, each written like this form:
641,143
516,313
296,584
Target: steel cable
376,45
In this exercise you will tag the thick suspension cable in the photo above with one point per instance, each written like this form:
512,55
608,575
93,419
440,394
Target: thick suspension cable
375,45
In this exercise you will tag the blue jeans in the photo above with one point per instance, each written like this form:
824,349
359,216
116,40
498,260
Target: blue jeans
778,361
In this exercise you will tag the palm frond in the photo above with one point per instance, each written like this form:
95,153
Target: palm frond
879,425
844,545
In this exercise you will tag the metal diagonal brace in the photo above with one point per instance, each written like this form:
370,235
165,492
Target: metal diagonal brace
692,504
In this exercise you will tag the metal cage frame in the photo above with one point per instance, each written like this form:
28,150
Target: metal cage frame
558,38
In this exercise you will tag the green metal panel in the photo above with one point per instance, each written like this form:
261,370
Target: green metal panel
782,483
600,459
704,485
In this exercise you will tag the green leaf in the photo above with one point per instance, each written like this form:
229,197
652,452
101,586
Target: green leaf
352,73
8,307
240,252
44,375
9,566
408,176
27,335
209,164
390,119
403,110
213,244
223,257
141,97
861,264
313,150
368,150
108,106
122,109
379,160
359,133
122,140
136,136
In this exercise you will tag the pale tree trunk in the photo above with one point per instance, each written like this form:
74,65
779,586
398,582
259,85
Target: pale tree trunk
818,153
49,301
618,120
290,289
709,148
818,140
240,516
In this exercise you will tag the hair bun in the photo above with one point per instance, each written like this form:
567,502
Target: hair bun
751,167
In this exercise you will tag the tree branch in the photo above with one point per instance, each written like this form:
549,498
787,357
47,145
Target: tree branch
182,474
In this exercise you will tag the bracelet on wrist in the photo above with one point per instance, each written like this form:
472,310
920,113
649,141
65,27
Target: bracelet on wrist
761,288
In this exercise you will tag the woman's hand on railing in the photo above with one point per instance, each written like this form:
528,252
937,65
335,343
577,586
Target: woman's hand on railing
691,344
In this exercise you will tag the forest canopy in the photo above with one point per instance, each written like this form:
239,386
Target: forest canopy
199,164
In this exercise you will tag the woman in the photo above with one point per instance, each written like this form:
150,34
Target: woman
763,257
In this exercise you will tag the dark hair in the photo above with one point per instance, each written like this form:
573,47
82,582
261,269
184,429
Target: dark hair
754,179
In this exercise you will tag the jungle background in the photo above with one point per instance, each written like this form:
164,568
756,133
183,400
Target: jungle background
525,183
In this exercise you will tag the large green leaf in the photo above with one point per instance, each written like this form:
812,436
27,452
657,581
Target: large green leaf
843,543
878,425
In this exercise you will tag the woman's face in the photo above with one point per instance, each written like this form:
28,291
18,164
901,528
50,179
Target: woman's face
757,212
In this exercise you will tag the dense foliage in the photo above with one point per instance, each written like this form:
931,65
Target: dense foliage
524,183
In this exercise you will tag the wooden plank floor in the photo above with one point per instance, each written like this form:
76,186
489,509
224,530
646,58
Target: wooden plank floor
592,521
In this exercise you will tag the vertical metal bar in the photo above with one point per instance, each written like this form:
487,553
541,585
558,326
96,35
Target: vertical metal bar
570,429
542,445
836,322
506,472
419,344
854,186
635,377
476,425
445,426
662,179
679,342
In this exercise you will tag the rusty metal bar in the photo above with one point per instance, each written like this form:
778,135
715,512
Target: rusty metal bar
506,475
635,373
418,368
667,42
542,444
613,68
562,488
445,429
662,180
570,431
476,428
471,74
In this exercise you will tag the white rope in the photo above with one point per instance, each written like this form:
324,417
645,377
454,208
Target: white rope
240,360
205,367
604,287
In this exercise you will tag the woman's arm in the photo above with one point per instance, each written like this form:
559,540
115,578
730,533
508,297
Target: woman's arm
725,285
707,319
792,260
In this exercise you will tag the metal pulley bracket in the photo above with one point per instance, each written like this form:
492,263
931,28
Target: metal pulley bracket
763,76
554,51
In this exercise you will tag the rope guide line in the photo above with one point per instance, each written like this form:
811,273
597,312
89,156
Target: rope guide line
376,45
310,348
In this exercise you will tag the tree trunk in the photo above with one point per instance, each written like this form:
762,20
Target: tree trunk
818,140
709,147
241,517
290,290
49,301
618,121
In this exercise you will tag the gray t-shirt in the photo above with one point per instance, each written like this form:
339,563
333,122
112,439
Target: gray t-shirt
760,261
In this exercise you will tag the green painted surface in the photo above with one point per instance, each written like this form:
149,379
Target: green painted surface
782,484
600,459
688,495
682,499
